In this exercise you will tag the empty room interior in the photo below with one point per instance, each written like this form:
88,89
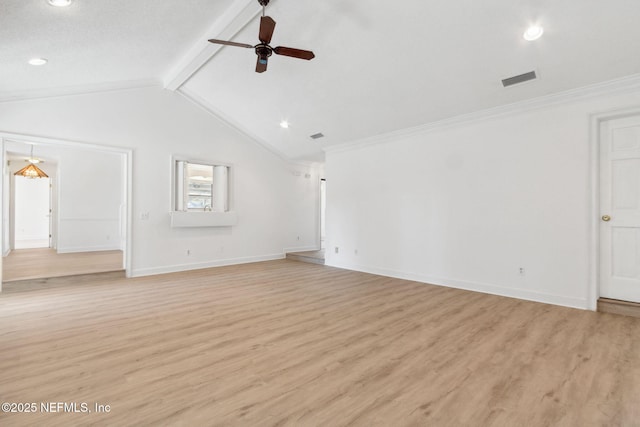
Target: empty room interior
329,213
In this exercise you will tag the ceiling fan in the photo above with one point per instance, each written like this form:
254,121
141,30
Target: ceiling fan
262,49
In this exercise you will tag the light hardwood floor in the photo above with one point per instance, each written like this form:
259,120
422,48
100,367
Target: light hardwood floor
315,257
291,343
24,264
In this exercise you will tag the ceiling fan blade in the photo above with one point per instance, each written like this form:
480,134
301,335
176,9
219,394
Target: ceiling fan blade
294,53
267,25
224,42
261,65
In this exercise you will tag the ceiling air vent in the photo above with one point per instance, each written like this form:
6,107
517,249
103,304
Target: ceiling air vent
317,135
531,75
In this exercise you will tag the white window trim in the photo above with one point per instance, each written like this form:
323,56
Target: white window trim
202,219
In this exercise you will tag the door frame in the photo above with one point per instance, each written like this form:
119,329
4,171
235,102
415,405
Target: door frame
594,222
127,157
320,215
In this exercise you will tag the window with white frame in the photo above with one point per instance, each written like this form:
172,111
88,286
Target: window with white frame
201,187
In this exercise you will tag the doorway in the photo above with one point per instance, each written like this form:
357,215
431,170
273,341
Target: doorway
619,205
323,209
32,213
88,220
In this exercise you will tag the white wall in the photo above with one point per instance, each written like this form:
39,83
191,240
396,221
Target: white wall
468,205
275,202
90,197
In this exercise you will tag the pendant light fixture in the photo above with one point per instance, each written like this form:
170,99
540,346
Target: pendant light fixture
31,170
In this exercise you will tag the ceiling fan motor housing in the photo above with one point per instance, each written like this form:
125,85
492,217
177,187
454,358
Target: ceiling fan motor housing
263,3
263,51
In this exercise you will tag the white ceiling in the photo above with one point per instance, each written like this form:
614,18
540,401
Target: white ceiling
379,66
97,41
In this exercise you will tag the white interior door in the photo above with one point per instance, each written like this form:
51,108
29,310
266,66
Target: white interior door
620,209
32,212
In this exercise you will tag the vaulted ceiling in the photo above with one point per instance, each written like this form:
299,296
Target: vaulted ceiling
379,66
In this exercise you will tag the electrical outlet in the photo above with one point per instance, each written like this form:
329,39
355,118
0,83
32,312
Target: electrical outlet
337,249
144,216
298,238
355,252
521,271
188,252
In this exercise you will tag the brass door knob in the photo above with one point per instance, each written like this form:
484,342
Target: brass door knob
606,218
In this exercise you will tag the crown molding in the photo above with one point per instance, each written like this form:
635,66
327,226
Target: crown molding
611,87
230,23
76,90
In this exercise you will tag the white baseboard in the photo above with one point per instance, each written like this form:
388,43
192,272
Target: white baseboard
200,265
301,249
71,250
580,303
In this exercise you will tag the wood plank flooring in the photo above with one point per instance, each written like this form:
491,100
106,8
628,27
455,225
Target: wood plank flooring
289,343
53,282
26,264
314,257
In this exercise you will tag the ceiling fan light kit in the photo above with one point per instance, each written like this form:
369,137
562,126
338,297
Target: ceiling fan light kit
263,49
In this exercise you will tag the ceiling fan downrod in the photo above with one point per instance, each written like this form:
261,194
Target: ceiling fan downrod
264,4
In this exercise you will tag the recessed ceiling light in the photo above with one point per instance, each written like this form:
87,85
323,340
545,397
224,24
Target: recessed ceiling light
59,3
284,124
38,61
534,32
